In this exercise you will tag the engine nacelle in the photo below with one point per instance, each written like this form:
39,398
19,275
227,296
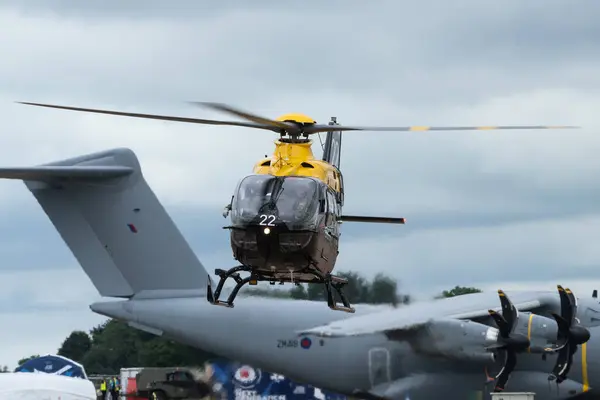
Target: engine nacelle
541,331
457,339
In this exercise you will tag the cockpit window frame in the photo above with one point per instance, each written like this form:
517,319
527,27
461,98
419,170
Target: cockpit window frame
291,215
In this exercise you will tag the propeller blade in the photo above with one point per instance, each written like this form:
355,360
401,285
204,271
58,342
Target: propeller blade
563,329
570,334
509,311
565,305
573,304
509,366
503,326
562,364
572,351
510,342
246,115
333,128
153,116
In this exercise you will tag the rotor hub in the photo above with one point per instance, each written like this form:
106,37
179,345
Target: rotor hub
300,119
579,334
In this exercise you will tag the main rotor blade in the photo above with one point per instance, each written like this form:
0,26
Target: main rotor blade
333,128
153,116
246,115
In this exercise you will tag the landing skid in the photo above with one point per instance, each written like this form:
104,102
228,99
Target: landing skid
332,284
337,283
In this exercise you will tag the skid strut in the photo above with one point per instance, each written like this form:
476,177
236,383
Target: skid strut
332,284
223,275
336,283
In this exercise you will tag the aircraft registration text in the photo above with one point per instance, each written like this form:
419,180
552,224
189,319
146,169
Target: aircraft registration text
284,343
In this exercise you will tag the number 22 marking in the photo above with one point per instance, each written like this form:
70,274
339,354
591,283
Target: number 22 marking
268,220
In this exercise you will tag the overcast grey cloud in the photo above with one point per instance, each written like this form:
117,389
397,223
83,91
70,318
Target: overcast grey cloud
517,208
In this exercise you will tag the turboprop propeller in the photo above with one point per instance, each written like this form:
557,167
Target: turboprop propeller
570,334
509,341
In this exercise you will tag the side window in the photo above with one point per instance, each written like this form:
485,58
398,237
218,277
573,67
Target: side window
332,210
336,205
333,203
341,196
330,206
322,200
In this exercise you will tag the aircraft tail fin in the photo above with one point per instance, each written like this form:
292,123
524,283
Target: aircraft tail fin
114,225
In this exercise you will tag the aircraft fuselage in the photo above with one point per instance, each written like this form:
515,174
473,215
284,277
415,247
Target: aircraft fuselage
283,254
263,333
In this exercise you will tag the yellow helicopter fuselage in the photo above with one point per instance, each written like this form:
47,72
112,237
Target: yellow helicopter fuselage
297,159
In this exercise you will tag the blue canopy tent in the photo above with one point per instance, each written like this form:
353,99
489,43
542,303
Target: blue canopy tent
233,381
53,364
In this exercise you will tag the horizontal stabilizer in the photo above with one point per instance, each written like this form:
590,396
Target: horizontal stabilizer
379,220
49,173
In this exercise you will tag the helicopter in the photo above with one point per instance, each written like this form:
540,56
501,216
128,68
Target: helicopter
285,216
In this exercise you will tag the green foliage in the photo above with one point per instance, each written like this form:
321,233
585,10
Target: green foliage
264,292
299,292
458,291
381,290
114,345
24,360
76,346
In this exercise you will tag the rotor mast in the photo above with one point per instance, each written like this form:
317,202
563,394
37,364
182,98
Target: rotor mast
293,137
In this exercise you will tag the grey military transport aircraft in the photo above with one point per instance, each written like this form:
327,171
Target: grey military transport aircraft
127,244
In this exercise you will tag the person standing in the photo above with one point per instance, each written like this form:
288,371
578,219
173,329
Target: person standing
103,388
113,388
117,387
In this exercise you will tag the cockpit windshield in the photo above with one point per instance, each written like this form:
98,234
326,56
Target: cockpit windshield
293,200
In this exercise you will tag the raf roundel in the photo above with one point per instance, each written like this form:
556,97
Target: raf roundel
305,343
246,377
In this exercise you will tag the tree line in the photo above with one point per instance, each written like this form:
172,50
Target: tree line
112,345
381,290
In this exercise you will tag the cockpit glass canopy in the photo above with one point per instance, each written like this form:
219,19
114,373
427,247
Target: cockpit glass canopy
292,200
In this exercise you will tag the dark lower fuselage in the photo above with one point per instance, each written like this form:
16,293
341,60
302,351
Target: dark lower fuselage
285,254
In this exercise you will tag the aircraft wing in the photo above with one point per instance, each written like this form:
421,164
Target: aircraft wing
461,329
467,307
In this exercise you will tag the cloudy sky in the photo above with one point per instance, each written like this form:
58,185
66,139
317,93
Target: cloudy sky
516,209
